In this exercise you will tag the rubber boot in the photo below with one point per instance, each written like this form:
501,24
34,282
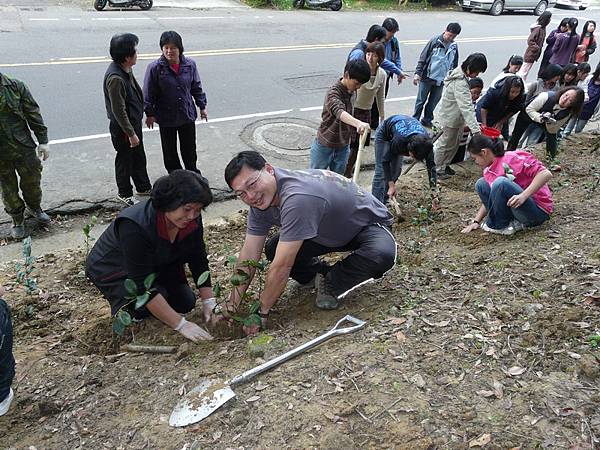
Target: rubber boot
18,228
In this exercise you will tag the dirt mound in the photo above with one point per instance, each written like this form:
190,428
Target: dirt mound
472,340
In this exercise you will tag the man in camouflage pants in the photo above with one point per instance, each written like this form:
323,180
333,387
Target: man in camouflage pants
19,115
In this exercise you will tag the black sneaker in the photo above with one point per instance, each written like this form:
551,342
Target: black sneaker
450,171
41,216
325,298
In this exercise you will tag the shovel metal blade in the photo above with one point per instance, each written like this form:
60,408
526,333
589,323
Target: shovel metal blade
200,402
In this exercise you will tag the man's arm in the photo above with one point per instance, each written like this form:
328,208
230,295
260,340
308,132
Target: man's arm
31,110
389,66
425,53
278,273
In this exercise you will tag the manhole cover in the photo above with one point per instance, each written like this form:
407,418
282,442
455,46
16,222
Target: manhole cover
317,81
281,136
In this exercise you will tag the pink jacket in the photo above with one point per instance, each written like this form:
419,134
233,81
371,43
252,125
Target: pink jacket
524,168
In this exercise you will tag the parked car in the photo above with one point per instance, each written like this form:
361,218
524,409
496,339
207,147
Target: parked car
496,7
581,4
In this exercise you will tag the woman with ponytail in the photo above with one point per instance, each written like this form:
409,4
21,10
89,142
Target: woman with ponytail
587,43
565,44
513,190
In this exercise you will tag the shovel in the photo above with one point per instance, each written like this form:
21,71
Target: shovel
361,147
210,395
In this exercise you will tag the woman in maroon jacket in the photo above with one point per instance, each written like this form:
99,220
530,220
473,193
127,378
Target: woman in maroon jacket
172,90
535,42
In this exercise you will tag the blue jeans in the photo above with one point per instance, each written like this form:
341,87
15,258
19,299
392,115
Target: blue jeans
7,361
574,123
379,184
427,89
495,197
334,159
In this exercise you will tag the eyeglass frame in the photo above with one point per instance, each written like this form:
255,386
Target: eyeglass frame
250,186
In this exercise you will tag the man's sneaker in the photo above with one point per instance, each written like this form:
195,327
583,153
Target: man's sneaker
325,298
5,404
517,226
144,193
129,201
41,216
18,227
508,231
426,124
450,171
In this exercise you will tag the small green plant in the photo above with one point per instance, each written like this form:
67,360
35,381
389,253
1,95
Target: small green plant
26,268
122,319
87,229
594,341
246,311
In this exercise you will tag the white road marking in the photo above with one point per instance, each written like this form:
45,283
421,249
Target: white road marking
120,18
217,120
44,19
194,18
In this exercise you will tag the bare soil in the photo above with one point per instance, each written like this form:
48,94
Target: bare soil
472,341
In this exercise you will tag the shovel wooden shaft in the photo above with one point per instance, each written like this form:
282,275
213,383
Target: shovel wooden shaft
335,331
361,147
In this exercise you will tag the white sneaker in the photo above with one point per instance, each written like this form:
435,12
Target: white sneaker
129,201
508,231
5,404
517,226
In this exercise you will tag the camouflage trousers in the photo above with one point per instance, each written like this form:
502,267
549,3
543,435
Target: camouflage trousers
29,170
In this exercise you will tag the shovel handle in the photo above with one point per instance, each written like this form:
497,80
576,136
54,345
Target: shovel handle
335,331
361,147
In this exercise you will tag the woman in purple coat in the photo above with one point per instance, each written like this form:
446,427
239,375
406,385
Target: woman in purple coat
172,90
565,45
550,40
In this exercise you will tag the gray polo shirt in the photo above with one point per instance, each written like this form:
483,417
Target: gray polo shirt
320,205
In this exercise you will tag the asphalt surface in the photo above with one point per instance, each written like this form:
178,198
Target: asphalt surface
254,64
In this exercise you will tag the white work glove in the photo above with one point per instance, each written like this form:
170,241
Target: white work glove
43,151
208,306
192,331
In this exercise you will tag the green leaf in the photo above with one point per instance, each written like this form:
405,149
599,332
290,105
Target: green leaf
254,306
118,327
124,318
149,280
131,287
252,319
236,280
93,220
238,319
231,260
141,300
217,289
202,278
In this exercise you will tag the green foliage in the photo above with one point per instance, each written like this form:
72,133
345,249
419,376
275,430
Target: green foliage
24,270
122,319
594,341
424,215
87,229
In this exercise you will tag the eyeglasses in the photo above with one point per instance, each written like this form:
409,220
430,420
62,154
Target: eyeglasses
251,186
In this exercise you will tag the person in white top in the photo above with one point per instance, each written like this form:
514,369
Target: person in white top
512,68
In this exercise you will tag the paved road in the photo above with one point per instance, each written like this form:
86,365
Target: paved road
255,64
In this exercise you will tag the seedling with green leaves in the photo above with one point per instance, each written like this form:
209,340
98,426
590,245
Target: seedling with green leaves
87,229
594,341
122,319
246,312
26,268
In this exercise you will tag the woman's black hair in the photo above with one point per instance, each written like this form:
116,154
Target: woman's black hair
585,32
584,67
509,83
171,37
544,19
563,23
376,33
596,75
572,69
475,82
572,24
480,141
575,107
378,48
514,60
122,46
551,71
475,62
179,188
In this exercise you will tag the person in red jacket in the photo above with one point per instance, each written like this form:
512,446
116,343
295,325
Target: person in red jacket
587,43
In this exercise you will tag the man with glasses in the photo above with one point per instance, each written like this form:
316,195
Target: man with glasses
318,212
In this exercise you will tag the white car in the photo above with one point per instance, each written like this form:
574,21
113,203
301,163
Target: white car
496,7
581,4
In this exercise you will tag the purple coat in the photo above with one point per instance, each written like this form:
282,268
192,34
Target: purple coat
170,96
563,48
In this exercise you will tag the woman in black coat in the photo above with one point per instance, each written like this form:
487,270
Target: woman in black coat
158,236
500,103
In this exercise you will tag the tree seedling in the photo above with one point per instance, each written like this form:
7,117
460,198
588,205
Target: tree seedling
25,269
122,319
87,238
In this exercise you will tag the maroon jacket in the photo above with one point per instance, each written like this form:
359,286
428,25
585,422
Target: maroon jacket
535,42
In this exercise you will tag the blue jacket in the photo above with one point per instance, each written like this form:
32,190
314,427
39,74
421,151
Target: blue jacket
392,54
359,51
170,96
399,128
437,59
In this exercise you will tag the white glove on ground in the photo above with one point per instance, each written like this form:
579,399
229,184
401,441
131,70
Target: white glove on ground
208,306
192,331
43,151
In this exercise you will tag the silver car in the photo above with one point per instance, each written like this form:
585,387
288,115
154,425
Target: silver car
496,7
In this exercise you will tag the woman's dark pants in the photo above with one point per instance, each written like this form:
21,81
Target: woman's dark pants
7,360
